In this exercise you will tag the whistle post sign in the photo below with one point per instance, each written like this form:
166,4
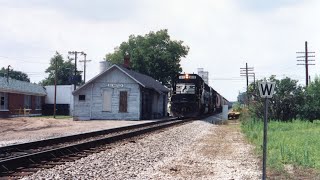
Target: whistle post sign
266,89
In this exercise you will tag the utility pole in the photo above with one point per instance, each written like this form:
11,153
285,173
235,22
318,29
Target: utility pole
306,61
8,71
55,88
246,72
84,68
75,53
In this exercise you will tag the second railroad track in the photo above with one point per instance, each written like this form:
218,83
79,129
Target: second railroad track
27,158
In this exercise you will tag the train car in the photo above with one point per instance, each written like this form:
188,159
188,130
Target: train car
192,97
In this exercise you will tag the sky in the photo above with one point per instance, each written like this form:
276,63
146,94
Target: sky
223,35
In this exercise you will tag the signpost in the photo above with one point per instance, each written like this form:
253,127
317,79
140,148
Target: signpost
266,90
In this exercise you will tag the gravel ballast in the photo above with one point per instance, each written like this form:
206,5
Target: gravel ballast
191,151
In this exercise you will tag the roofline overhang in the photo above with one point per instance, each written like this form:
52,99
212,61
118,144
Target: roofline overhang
21,92
97,76
160,92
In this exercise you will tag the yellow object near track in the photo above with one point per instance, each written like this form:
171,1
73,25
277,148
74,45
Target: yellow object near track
233,115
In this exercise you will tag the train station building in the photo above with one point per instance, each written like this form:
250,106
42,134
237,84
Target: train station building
120,93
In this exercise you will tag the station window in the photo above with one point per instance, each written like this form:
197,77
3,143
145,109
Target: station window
107,100
123,102
3,101
82,97
38,102
27,101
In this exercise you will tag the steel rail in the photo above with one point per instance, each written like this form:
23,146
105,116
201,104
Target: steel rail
9,166
64,139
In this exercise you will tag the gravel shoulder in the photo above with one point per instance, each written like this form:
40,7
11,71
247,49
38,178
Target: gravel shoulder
197,150
219,153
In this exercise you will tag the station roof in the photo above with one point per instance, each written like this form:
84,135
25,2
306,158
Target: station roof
142,79
21,87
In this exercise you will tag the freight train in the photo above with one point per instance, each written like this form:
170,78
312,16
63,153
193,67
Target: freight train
192,97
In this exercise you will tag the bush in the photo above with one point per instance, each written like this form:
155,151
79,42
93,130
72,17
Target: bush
311,108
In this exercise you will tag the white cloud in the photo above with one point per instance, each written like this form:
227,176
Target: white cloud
222,35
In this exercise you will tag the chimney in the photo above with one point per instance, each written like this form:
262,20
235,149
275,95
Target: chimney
104,65
126,62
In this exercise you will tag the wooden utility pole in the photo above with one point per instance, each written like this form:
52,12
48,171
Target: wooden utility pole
8,71
55,88
75,65
84,66
306,61
246,72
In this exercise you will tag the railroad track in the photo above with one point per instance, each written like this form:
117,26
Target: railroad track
25,159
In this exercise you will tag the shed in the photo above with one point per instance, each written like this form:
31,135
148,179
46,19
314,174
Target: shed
64,100
120,93
20,98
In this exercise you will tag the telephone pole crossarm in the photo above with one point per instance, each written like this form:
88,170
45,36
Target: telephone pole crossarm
306,61
75,53
84,66
247,71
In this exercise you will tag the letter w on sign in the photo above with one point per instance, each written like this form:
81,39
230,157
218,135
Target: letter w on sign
266,89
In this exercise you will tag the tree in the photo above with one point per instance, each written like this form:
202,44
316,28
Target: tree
286,102
64,71
18,75
311,108
154,54
287,99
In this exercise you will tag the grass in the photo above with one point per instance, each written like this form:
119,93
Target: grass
295,143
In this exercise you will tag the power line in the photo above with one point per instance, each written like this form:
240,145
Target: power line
5,57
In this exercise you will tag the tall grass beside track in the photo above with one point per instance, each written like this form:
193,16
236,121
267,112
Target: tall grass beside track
295,143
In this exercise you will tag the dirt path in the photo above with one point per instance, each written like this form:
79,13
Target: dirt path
221,153
233,157
25,129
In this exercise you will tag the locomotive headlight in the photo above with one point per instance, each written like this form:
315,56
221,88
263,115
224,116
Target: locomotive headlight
187,76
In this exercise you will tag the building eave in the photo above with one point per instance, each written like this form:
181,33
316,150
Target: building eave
21,92
104,72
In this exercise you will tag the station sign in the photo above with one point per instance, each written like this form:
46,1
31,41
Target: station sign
114,85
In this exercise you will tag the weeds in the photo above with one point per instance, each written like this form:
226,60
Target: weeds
295,142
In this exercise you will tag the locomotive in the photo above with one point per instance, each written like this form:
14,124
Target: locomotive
192,97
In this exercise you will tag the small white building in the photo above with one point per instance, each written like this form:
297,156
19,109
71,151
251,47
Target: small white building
64,96
120,93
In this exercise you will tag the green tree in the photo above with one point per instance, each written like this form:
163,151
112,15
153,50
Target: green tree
287,99
154,54
64,71
311,108
18,75
286,102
